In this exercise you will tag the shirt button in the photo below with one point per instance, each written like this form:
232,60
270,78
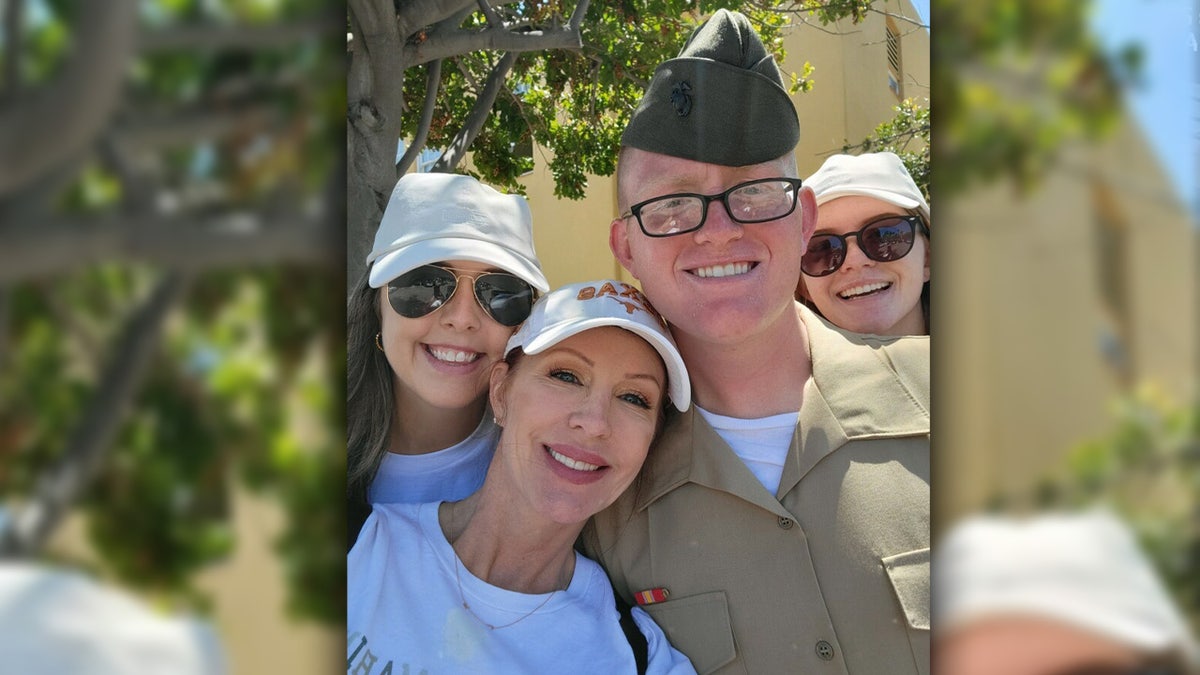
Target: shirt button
824,650
786,523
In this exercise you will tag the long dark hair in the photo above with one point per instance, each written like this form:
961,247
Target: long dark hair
370,406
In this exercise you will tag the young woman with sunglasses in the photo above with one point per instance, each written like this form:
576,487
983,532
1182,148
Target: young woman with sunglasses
866,268
452,273
492,583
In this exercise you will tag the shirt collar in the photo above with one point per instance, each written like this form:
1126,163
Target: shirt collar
853,394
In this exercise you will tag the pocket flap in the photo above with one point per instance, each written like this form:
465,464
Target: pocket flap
909,573
699,627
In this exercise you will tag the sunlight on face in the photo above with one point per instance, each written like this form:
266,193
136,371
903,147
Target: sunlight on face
578,420
443,359
865,295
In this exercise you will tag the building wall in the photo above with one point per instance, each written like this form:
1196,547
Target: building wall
1032,349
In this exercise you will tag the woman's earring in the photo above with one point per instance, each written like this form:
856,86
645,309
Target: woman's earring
378,343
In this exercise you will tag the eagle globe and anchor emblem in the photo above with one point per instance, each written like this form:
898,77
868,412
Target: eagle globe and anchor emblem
680,99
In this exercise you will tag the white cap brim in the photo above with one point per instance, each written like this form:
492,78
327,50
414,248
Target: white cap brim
894,198
574,308
677,381
415,254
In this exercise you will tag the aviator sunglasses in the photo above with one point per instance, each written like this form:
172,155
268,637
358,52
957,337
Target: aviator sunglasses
506,298
882,240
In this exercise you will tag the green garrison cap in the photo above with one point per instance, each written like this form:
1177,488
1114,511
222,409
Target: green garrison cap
721,101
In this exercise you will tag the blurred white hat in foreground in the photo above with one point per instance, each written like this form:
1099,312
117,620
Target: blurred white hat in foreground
1084,570
60,621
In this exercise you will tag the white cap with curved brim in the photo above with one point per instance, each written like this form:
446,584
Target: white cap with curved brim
574,308
438,217
880,175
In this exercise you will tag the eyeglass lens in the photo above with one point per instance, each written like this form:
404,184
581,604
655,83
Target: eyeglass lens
882,240
505,297
753,202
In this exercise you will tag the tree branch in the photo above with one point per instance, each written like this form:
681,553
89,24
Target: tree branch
450,24
479,112
217,38
82,336
14,20
493,39
433,80
490,14
5,322
907,134
899,17
186,128
418,13
576,20
46,126
191,243
92,438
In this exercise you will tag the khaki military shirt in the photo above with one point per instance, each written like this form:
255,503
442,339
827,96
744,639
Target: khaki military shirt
830,575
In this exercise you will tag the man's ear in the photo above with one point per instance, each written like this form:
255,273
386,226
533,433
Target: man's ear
618,242
808,217
497,382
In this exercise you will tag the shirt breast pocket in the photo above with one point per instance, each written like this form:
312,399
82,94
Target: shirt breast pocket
698,626
909,574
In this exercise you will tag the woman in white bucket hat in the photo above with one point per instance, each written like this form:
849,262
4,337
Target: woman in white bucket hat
492,583
451,274
880,283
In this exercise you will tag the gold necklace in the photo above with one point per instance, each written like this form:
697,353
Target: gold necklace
462,596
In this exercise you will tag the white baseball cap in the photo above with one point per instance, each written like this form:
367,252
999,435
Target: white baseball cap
881,175
1084,570
575,308
434,217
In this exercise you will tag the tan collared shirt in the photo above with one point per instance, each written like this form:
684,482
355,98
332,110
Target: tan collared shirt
831,574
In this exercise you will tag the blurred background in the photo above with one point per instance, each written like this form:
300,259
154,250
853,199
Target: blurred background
174,218
1067,346
171,331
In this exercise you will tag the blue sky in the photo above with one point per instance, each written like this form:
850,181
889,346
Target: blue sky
1166,106
922,7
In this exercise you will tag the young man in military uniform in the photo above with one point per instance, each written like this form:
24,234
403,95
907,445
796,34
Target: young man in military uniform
784,525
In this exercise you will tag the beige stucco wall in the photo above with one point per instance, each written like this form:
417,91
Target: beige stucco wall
571,237
249,594
1020,372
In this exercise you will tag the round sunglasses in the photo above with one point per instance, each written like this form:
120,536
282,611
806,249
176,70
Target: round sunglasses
506,298
882,240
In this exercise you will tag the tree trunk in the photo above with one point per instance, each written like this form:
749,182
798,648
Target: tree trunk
47,126
374,101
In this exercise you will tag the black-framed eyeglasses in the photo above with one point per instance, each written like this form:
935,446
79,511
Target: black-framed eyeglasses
505,297
755,201
882,239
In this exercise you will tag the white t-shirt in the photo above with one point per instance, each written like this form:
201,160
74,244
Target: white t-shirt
762,443
405,612
444,475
